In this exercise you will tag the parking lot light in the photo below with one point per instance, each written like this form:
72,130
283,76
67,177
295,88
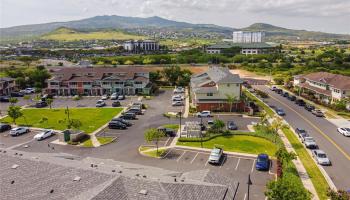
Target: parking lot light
249,183
180,113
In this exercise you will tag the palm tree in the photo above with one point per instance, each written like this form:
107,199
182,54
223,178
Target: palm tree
231,100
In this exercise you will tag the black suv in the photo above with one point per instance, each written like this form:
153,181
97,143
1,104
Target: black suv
292,97
4,99
301,132
286,94
116,125
122,121
279,91
300,102
309,107
4,127
116,104
16,94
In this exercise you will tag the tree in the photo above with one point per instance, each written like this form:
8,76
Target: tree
231,100
74,123
49,101
172,74
338,195
276,125
14,112
26,60
129,62
286,189
13,100
153,135
218,126
154,77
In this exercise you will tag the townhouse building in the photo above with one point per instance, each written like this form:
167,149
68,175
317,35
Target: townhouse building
210,90
99,81
7,85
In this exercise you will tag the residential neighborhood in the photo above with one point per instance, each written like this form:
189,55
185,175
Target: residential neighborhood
174,100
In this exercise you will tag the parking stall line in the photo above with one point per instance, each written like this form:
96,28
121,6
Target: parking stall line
167,153
194,157
245,196
239,159
253,166
181,156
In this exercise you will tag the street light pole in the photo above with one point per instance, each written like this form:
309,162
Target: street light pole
180,113
201,132
249,183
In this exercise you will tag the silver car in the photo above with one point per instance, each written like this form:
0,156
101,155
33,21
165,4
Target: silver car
19,131
215,155
321,157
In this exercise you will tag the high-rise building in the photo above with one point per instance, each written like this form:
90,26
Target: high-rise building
248,37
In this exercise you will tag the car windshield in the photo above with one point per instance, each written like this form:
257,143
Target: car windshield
215,152
347,129
309,139
322,155
262,159
302,131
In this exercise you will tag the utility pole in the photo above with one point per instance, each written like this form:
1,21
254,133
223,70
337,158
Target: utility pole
180,114
201,135
249,183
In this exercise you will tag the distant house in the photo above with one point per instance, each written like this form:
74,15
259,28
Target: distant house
245,48
99,81
138,46
209,90
326,87
7,85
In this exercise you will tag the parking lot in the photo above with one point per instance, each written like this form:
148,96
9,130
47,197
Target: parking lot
8,141
234,167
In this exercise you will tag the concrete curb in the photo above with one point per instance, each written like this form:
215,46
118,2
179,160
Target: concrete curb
209,150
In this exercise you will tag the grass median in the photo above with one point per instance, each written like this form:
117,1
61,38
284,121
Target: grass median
250,96
91,118
313,171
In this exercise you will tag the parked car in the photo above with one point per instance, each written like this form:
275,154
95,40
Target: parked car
19,131
310,142
16,94
177,97
344,131
231,125
301,132
273,88
44,134
317,113
286,94
100,103
210,122
135,109
41,104
4,99
46,96
114,96
279,91
280,112
28,91
4,127
177,103
179,90
205,113
127,123
309,107
121,97
104,97
262,162
167,131
116,125
116,104
300,102
292,97
215,155
128,116
321,157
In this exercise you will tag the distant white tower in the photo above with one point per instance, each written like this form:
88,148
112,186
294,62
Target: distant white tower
248,37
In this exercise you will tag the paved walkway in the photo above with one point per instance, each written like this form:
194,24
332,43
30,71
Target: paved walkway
187,104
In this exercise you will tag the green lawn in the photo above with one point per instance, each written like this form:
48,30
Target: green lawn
105,140
87,143
268,110
315,174
172,126
238,143
154,153
91,118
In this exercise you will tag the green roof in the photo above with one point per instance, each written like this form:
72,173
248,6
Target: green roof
226,45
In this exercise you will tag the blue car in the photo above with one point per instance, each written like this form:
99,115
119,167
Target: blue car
262,162
280,112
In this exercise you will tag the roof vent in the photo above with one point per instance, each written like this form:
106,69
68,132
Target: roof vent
12,182
144,192
77,178
15,166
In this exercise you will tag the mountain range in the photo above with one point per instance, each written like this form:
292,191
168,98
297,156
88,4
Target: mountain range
155,25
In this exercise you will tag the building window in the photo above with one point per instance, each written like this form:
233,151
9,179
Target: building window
138,82
209,94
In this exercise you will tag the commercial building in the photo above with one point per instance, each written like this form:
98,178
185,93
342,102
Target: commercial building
248,37
7,85
245,48
325,86
210,90
137,46
99,81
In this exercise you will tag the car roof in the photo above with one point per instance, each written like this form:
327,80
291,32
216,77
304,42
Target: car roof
319,151
263,155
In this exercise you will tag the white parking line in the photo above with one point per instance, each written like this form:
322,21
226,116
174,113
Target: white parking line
167,153
245,196
239,159
181,156
253,166
194,157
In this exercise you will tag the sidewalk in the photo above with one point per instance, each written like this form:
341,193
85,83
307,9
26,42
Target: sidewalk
187,104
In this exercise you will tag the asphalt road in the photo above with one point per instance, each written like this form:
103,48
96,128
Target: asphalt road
336,146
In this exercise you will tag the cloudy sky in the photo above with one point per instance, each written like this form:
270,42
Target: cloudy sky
318,15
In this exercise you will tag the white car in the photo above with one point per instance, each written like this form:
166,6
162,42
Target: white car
344,131
100,103
310,143
19,131
104,97
179,90
28,91
177,97
177,103
273,88
215,156
321,157
43,135
205,113
114,96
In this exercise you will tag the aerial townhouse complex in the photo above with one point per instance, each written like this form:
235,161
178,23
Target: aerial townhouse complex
99,81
